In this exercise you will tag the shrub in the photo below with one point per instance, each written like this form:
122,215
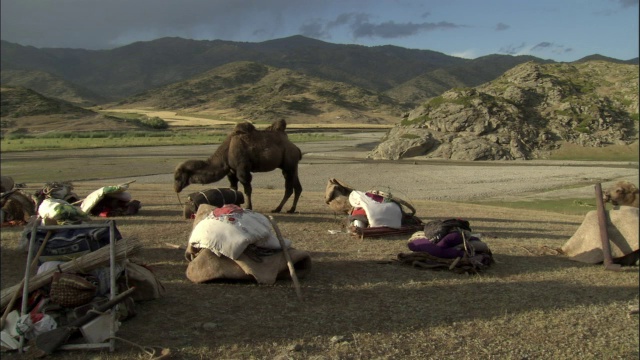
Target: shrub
155,123
300,105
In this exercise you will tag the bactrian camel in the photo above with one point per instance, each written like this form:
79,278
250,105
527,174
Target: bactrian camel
244,151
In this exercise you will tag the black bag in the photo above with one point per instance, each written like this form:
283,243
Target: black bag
216,197
435,230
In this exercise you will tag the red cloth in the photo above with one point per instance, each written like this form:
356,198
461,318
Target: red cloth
376,198
227,209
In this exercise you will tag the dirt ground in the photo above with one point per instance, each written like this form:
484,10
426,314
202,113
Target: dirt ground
358,303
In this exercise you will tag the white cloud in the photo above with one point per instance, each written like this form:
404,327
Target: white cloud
466,54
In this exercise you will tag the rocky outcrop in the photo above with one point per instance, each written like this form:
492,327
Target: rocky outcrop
525,114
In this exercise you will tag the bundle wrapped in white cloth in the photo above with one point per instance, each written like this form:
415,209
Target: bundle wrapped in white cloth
60,210
230,229
379,213
116,191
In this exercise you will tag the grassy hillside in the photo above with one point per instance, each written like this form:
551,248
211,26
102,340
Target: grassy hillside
19,102
51,86
24,111
257,92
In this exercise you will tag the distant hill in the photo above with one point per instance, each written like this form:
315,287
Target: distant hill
51,86
469,74
598,57
26,111
19,102
253,91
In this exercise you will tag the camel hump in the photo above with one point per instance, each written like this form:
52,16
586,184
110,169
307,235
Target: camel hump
278,125
244,128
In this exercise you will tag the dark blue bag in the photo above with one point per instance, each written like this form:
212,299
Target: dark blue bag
68,244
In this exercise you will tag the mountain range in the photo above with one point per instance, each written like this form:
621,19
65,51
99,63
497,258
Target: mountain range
295,78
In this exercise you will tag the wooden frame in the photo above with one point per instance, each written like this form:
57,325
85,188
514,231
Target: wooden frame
110,224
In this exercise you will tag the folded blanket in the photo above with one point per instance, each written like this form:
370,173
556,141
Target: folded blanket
230,229
450,247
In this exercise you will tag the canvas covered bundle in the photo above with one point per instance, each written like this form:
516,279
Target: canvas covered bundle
376,213
108,201
371,213
231,243
378,210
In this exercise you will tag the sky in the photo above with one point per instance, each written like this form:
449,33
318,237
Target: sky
560,30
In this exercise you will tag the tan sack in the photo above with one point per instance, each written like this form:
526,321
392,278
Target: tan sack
336,195
208,267
622,227
148,287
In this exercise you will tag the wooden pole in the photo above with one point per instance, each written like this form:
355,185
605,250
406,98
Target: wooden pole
604,236
16,294
285,250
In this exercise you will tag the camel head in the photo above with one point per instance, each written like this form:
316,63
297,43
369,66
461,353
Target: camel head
197,172
622,193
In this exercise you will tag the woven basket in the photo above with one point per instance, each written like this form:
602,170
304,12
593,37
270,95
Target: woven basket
71,290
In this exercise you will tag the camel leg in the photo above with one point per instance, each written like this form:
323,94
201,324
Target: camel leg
245,179
297,188
291,183
233,181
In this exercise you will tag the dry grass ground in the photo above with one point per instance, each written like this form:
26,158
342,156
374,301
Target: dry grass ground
358,303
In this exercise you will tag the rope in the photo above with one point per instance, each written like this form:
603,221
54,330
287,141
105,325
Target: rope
149,350
224,201
389,195
205,196
76,266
